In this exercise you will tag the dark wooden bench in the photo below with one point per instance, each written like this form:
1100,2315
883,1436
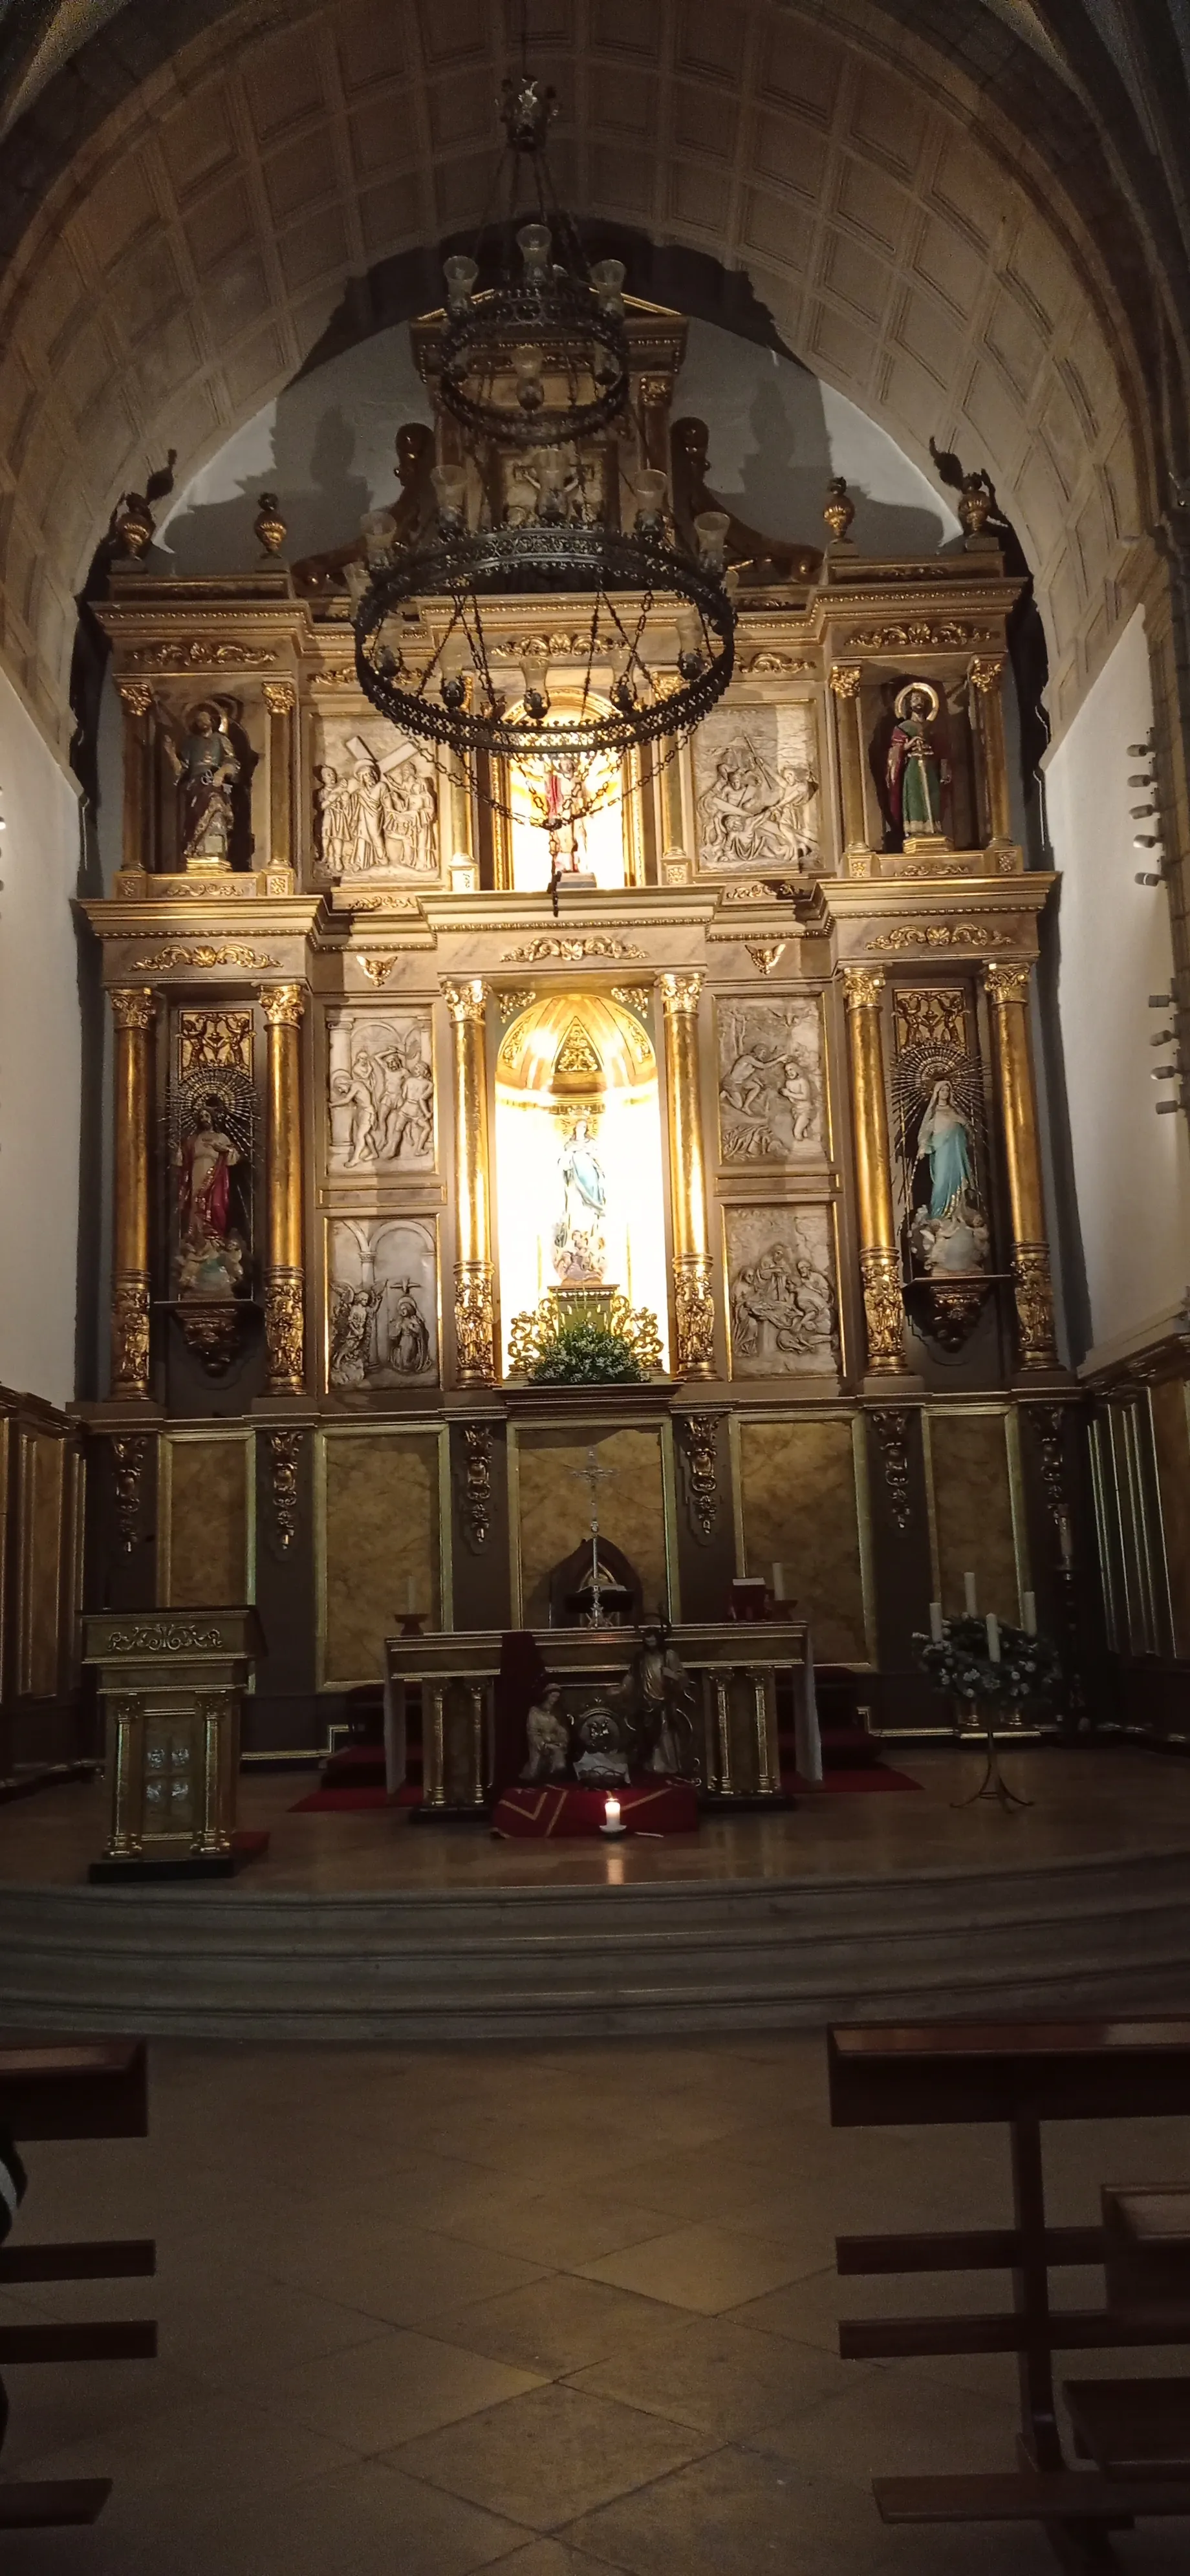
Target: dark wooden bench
72,2089
1020,2074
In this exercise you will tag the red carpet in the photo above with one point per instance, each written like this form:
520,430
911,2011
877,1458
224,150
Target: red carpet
526,1814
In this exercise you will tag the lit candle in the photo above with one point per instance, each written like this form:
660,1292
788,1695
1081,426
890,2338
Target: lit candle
993,1628
410,1596
936,1622
1029,1609
612,1819
969,1601
779,1583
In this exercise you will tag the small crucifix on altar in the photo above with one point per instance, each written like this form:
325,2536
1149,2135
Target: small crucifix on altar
593,1476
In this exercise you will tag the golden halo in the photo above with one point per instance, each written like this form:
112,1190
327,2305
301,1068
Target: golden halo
927,690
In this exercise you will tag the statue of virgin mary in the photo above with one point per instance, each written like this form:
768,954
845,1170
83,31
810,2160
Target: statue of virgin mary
945,1138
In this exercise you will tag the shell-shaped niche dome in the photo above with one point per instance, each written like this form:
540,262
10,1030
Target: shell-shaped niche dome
576,1046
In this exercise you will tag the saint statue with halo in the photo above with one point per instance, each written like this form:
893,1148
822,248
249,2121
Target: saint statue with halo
917,773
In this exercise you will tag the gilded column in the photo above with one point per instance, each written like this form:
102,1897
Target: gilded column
880,1268
280,698
137,701
134,1011
475,1337
694,1305
845,689
1008,991
986,678
284,1293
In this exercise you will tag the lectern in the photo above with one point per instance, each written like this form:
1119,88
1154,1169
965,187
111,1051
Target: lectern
172,1683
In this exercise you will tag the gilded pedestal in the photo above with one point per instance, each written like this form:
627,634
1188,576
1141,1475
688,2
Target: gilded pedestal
172,1683
134,1011
284,1294
475,1334
880,1268
1008,992
694,1305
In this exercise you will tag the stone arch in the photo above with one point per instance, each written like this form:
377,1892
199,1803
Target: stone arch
910,246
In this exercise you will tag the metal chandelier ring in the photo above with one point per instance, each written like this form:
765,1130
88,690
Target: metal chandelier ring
506,562
555,323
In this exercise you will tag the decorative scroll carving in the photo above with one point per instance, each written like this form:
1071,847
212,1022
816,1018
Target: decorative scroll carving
200,653
475,1486
766,661
941,934
953,637
1034,1296
1049,1424
766,959
475,1323
635,997
985,676
570,952
285,1450
517,997
130,1335
160,959
698,1452
128,1466
338,675
136,696
845,678
694,1315
753,890
891,1426
884,1311
280,697
284,1324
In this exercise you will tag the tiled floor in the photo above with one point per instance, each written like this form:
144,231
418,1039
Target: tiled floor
561,2310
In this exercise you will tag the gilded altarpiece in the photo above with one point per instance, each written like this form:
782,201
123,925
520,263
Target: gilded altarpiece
762,1070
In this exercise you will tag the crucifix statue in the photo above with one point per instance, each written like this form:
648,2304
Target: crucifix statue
593,1477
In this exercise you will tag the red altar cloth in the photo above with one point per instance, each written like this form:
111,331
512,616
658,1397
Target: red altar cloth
530,1812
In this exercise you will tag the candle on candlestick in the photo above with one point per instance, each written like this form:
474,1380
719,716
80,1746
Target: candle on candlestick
779,1583
612,1820
969,1600
1029,1609
936,1622
993,1629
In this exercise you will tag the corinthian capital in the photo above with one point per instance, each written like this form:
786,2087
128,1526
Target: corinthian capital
680,993
1007,983
465,1001
133,1006
862,987
283,1004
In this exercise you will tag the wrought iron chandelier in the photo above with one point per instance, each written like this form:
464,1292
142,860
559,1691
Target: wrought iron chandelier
533,368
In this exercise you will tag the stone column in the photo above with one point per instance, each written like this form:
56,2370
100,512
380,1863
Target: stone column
280,698
461,853
694,1305
845,690
137,700
1008,991
880,1268
475,1330
986,679
134,1011
284,1294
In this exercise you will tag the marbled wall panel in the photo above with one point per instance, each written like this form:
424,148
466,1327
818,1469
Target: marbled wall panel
380,1534
973,1511
799,1505
555,1508
45,1461
1171,1440
208,1524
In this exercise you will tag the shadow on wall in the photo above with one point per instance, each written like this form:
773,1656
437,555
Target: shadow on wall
777,435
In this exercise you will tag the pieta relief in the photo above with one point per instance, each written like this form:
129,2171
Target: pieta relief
375,812
381,1087
382,1303
781,1290
770,1080
758,791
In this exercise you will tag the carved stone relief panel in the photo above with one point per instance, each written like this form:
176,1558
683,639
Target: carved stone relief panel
375,803
784,1314
758,784
380,1080
382,1302
770,1079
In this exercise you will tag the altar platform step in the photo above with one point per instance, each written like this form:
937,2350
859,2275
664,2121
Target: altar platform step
653,1954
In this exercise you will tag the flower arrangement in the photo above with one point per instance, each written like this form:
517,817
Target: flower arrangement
960,1662
584,1352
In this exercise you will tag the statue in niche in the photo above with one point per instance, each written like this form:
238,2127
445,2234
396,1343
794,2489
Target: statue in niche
384,815
770,1091
937,1093
754,814
205,769
580,1247
917,771
211,1159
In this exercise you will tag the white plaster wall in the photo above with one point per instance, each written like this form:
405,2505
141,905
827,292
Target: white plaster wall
40,1063
776,436
1131,1167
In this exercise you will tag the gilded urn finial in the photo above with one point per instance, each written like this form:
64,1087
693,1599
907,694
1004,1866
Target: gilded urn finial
269,526
839,511
975,505
133,525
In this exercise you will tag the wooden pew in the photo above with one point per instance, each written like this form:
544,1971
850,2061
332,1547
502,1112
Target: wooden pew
72,2089
1019,2074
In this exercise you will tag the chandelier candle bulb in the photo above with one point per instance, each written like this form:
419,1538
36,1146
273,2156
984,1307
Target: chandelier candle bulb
1029,1612
613,1822
936,1622
993,1629
969,1601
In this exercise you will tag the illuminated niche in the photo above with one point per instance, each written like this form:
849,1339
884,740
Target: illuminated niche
588,813
579,1177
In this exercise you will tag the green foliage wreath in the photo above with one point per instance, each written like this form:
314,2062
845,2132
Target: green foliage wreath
584,1353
